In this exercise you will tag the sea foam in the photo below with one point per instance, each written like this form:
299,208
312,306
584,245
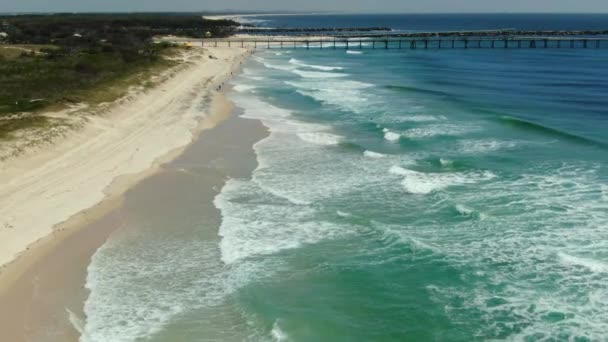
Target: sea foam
243,87
423,183
312,66
372,154
317,74
320,138
391,136
590,264
345,94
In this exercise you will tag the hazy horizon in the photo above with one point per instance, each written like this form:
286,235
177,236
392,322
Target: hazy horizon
277,6
279,12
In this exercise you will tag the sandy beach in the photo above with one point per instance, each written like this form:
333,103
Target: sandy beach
54,197
49,185
46,302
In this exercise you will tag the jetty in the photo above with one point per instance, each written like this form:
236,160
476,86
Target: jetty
437,42
357,32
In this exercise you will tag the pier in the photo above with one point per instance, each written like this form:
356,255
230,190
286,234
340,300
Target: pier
514,42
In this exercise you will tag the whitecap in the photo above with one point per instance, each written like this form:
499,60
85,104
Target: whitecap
438,130
116,312
343,214
272,65
351,52
346,94
420,118
277,333
317,74
372,154
312,66
485,145
595,266
463,210
243,87
391,136
446,162
423,183
267,225
76,322
320,138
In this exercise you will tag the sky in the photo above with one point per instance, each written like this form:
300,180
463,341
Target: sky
361,6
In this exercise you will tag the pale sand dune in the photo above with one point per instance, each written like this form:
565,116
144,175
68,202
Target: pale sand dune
43,188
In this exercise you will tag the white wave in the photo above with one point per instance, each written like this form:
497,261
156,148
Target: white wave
420,118
372,154
273,65
266,226
463,210
527,221
312,66
591,264
255,78
485,145
438,130
423,183
391,136
278,209
277,333
132,284
467,212
252,75
317,74
351,52
76,322
243,87
446,162
346,94
320,138
343,214
279,120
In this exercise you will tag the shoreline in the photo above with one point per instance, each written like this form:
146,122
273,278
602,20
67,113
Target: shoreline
58,266
25,253
119,148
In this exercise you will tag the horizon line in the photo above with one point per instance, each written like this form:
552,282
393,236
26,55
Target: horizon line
270,13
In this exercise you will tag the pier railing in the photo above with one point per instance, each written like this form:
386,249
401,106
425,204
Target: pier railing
412,43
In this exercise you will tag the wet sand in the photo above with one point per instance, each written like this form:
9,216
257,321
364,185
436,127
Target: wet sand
44,299
108,149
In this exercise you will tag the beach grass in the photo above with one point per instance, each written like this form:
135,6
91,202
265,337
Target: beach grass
36,82
13,51
9,126
32,82
54,62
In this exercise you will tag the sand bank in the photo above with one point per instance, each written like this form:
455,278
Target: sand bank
45,187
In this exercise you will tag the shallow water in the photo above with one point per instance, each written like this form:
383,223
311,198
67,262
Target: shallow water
400,195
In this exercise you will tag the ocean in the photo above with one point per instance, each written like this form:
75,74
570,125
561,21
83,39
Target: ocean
400,195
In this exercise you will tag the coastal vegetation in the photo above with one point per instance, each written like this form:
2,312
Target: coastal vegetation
52,61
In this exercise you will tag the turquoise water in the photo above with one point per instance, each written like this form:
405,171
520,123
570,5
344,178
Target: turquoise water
425,196
400,196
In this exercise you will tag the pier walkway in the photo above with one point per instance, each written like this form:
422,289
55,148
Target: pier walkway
410,43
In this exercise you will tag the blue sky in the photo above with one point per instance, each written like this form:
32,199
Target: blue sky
382,6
